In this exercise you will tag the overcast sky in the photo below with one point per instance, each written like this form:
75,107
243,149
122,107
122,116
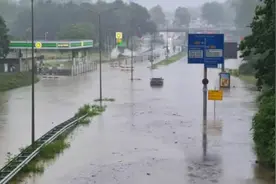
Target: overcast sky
171,4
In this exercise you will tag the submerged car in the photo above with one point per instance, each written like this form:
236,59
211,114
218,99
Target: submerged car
156,81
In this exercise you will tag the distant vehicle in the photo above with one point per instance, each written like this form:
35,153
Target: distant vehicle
156,81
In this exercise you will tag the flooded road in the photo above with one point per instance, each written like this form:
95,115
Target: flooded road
56,100
154,135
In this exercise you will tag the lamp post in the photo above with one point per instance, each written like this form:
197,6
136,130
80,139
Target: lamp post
100,48
33,76
100,56
131,61
45,35
167,42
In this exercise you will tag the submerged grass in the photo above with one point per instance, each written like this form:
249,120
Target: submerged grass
12,80
57,147
105,99
170,60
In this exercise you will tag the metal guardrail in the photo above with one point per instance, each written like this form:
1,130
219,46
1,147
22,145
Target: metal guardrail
22,159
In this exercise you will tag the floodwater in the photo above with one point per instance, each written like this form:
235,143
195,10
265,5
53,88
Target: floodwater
148,135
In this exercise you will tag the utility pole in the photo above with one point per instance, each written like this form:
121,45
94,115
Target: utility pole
100,56
167,47
108,45
131,63
131,60
33,76
151,45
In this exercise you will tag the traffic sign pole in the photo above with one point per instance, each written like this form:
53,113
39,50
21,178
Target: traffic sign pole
207,49
205,89
215,109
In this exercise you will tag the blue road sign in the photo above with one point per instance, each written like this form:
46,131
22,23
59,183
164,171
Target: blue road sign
206,49
211,65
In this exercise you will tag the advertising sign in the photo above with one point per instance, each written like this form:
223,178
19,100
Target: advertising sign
224,80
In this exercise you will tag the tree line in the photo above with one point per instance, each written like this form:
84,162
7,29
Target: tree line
77,21
232,12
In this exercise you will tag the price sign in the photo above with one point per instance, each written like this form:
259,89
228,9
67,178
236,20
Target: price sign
195,53
214,53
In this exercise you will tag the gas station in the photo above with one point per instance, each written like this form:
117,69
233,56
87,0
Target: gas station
20,53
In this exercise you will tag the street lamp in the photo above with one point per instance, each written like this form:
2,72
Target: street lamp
45,35
100,47
167,42
33,76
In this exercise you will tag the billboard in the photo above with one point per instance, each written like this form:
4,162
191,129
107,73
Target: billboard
230,50
224,80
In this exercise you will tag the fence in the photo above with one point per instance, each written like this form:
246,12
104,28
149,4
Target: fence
83,68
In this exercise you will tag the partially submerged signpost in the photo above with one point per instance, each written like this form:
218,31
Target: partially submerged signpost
206,49
215,95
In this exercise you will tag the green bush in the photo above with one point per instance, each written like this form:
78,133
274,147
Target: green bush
15,80
246,69
264,131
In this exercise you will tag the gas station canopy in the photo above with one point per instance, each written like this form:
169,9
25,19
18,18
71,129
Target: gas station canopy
52,45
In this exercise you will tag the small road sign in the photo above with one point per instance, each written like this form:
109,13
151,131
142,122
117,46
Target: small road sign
119,35
207,49
215,94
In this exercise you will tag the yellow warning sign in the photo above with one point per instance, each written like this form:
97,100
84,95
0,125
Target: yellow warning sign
119,35
38,45
215,94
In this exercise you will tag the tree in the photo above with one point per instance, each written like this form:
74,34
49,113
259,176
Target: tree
4,41
261,42
8,11
212,12
229,12
245,10
77,32
182,16
54,18
157,15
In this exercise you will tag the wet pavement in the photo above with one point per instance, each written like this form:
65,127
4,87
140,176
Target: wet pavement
148,135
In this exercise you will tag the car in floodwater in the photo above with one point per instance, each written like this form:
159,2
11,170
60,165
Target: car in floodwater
157,81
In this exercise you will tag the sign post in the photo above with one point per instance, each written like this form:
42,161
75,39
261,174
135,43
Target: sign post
215,95
207,49
119,37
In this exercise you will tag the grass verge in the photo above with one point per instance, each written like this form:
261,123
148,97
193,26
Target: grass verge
10,81
57,147
250,79
170,60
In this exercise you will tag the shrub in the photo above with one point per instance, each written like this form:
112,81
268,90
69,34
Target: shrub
246,69
264,131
